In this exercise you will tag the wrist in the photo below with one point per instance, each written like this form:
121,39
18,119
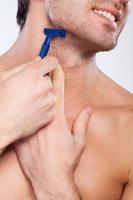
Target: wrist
8,134
56,186
4,138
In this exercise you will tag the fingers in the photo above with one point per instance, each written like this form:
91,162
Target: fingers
38,66
43,66
58,86
10,72
80,127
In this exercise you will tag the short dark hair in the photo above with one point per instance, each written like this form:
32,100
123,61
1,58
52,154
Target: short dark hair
23,6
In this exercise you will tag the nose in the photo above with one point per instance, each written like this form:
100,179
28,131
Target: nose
119,3
124,1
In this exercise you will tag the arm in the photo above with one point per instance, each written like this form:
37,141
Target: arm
18,187
50,156
58,186
18,122
13,183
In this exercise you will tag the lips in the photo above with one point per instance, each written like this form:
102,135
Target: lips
111,14
106,14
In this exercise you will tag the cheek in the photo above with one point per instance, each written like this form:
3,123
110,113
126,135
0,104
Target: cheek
65,12
55,11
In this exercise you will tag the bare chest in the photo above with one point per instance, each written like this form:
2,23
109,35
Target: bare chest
100,174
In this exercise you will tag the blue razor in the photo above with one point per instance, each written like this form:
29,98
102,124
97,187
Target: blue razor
50,33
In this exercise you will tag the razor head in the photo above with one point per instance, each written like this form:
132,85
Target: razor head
55,32
50,33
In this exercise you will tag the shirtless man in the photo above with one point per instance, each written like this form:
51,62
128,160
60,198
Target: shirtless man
105,168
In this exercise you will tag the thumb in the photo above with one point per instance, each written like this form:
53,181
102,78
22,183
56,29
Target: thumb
80,126
58,87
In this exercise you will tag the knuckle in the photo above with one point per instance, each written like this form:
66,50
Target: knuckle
51,114
48,64
52,99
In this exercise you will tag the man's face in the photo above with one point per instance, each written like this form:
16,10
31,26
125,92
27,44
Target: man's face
98,23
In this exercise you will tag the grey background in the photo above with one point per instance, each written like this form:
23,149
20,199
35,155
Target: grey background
117,64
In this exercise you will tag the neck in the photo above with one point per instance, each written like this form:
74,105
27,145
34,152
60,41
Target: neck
81,73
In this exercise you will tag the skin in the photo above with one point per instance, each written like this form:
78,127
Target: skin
105,168
41,96
55,150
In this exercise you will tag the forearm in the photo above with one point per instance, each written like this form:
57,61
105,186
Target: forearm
7,135
56,188
5,140
13,180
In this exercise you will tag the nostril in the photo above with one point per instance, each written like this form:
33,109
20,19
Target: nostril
124,1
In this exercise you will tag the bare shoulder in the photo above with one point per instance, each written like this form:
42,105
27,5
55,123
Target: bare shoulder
113,118
115,94
118,109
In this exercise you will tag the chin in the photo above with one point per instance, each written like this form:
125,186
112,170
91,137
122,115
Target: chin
107,46
104,45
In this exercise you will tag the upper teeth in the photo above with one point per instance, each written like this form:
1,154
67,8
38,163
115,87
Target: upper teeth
106,14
